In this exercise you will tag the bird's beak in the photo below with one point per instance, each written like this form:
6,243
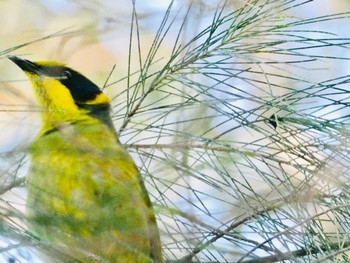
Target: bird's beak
25,65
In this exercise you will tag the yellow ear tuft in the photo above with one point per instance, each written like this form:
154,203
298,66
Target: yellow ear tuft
99,99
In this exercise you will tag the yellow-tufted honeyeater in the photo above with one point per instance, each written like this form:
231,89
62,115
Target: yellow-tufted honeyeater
85,194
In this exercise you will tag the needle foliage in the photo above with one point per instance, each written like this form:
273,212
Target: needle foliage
240,131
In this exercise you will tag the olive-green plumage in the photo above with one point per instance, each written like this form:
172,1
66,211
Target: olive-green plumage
85,194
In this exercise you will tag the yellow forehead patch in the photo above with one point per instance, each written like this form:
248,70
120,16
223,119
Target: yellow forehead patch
50,63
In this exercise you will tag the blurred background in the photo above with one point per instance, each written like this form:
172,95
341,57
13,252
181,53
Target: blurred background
223,98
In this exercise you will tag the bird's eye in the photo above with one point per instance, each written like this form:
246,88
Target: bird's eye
66,74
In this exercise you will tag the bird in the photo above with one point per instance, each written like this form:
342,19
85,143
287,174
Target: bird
85,195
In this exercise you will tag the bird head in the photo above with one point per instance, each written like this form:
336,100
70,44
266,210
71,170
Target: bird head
64,93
